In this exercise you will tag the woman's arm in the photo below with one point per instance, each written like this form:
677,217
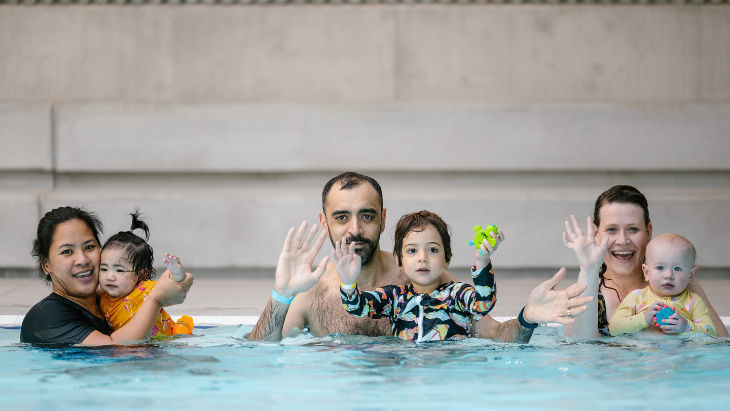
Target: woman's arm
590,257
586,325
695,287
167,292
545,304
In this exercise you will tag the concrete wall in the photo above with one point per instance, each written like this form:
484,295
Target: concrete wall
522,54
223,123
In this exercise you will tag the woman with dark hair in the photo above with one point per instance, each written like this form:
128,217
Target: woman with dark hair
67,249
610,255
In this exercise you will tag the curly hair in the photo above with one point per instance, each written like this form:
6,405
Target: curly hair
416,222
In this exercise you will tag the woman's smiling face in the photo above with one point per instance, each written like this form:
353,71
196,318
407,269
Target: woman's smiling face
628,236
73,260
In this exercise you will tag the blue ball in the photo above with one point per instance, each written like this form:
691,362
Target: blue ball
663,314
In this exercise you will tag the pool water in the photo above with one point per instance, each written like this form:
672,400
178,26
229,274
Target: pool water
219,369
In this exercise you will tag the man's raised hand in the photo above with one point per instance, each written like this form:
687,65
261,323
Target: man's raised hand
348,263
548,305
590,255
294,271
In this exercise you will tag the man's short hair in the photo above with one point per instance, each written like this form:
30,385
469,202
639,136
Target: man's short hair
349,180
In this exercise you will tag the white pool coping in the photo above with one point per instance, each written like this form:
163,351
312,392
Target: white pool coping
16,320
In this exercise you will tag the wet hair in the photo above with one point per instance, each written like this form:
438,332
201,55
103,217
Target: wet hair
136,249
624,195
416,222
349,180
47,228
618,194
676,240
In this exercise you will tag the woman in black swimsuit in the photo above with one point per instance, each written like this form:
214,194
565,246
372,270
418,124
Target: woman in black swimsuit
611,260
67,250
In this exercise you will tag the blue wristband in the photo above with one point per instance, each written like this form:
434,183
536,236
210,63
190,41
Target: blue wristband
280,298
524,322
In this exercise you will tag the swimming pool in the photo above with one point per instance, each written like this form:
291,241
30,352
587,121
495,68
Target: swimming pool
219,369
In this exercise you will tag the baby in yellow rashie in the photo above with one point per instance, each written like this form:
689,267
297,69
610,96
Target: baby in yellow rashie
669,267
125,280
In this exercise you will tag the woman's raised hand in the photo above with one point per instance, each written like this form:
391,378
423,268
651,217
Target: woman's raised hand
169,292
348,263
294,271
590,255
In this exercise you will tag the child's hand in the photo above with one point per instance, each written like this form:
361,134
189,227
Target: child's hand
348,263
486,250
650,313
175,266
590,255
675,324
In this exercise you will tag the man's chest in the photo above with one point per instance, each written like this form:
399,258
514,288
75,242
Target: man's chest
327,315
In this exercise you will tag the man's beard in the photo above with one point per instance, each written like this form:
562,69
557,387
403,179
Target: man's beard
368,249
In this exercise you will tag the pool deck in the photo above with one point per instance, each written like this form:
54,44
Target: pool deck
241,300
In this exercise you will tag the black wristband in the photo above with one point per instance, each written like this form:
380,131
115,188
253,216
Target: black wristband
524,323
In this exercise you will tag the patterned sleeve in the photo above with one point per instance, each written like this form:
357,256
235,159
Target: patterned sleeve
626,319
701,321
378,303
480,299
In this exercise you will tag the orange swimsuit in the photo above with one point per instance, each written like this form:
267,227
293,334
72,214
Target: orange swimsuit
119,311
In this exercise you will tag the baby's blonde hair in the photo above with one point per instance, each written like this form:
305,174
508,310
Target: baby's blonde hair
675,240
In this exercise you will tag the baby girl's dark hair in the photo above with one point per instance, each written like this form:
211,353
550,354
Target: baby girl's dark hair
137,251
416,222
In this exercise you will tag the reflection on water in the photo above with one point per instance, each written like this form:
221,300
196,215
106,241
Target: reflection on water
219,368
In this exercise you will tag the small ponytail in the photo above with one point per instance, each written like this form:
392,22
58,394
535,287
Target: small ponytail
137,223
136,249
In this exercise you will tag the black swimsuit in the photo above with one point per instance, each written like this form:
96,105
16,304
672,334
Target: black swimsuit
56,319
602,318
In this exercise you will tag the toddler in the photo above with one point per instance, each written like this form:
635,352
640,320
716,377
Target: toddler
125,280
669,266
428,308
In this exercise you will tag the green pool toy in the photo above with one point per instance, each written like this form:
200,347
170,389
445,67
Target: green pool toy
480,235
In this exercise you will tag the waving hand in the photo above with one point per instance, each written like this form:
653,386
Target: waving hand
348,263
546,304
590,255
294,272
